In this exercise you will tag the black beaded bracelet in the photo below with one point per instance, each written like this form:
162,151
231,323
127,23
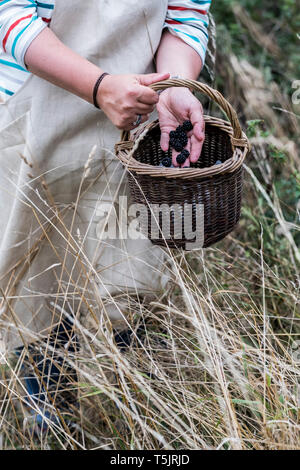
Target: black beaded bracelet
95,91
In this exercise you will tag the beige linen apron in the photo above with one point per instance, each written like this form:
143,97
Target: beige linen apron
50,190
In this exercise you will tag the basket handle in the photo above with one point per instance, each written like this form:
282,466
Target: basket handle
238,140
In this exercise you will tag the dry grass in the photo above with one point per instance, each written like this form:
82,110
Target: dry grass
215,369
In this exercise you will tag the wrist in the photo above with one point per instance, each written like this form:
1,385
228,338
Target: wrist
171,77
97,91
172,88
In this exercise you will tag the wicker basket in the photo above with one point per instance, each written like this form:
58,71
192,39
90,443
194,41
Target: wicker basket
215,188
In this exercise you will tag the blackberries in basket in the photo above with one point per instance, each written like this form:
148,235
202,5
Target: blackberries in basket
179,142
166,161
179,145
186,153
178,138
181,157
187,126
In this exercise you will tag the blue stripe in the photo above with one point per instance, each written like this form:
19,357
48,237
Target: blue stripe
200,28
201,2
11,64
45,5
7,92
4,1
192,37
182,20
19,34
189,35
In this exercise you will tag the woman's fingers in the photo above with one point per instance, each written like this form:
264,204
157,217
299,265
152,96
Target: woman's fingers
198,133
143,108
187,162
149,78
145,118
147,95
197,119
124,97
164,139
129,124
174,155
196,148
176,106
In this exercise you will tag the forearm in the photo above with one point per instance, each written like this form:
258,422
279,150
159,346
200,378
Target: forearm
177,57
121,97
51,60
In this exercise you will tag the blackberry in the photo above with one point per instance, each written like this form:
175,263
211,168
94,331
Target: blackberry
181,138
178,139
178,145
173,141
184,139
187,126
166,161
186,153
181,158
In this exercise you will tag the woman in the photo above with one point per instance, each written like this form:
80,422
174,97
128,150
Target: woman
52,53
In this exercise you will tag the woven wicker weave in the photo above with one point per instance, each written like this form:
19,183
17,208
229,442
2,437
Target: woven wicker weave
217,186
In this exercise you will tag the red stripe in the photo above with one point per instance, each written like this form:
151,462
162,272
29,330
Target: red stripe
11,28
203,12
47,20
173,22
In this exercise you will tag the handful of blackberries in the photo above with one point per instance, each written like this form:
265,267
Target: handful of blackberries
178,140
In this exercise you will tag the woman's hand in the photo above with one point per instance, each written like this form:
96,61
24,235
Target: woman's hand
175,106
123,97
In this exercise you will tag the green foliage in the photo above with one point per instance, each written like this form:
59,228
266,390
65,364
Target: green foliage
253,127
280,19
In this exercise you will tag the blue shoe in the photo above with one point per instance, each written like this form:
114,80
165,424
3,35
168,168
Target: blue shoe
54,375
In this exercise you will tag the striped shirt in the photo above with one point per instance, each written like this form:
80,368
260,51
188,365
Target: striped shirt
22,20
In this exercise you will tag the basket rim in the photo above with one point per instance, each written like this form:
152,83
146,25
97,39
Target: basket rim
126,149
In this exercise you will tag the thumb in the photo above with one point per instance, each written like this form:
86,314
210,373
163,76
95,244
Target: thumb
150,78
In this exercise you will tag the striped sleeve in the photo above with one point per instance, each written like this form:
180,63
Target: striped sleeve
188,19
19,25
